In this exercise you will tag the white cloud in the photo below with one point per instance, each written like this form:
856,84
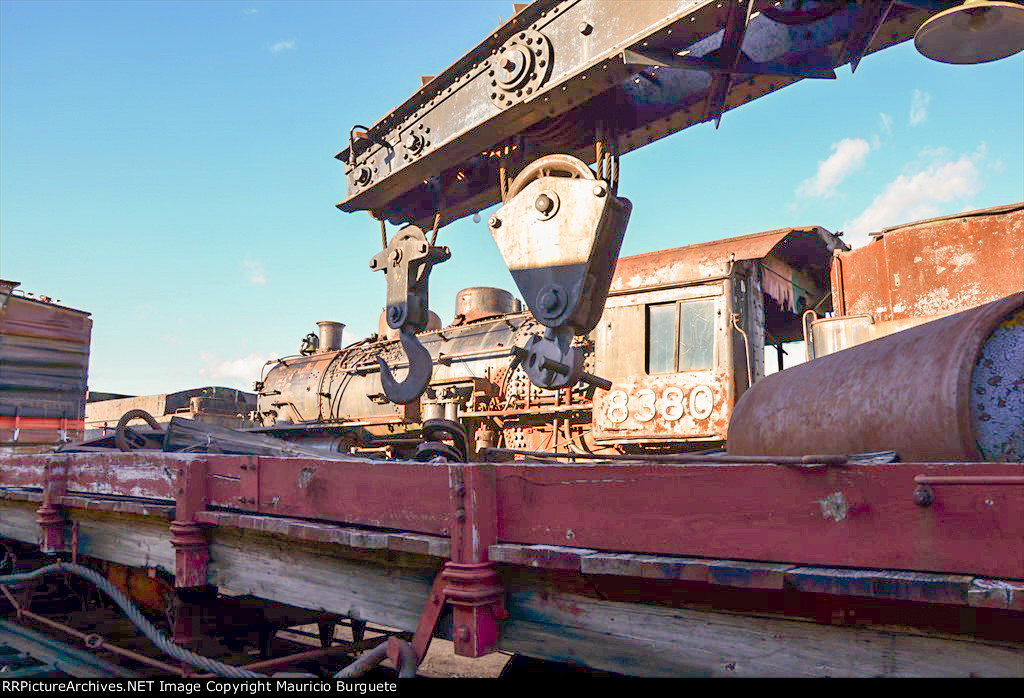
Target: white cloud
886,123
251,11
926,193
932,152
281,46
847,156
919,107
254,272
246,369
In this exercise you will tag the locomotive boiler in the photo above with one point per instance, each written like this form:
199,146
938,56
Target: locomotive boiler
335,396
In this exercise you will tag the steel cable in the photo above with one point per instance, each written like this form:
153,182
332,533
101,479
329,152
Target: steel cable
136,617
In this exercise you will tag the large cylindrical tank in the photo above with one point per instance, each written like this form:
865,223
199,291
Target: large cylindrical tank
948,390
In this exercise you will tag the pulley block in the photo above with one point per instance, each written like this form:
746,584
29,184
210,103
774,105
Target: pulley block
559,233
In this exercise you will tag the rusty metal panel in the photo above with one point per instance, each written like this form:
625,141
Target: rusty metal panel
935,267
789,266
677,406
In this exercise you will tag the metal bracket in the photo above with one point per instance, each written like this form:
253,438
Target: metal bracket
743,65
552,362
50,516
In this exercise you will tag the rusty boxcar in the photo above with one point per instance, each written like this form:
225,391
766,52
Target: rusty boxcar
44,361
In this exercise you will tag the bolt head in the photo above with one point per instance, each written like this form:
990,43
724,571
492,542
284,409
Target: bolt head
585,28
363,175
599,190
494,222
923,496
508,60
549,301
544,204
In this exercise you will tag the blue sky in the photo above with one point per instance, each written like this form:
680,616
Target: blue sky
168,167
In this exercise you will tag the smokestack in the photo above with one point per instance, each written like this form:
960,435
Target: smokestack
330,335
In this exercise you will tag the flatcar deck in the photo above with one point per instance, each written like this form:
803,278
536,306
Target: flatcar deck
638,568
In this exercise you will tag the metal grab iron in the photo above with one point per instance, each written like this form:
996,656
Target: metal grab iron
559,233
406,263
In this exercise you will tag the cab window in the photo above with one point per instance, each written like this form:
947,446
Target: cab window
680,336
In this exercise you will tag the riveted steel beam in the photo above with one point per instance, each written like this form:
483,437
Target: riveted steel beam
540,83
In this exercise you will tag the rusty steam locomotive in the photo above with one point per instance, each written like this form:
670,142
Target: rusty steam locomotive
674,339
685,332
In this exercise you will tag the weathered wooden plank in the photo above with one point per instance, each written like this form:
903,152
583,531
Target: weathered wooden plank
732,573
189,434
882,584
553,557
315,532
646,566
126,540
838,516
319,578
996,593
657,641
748,575
136,474
18,521
432,546
298,529
19,495
119,506
405,496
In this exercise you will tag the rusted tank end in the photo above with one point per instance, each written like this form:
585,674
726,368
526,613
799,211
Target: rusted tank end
948,390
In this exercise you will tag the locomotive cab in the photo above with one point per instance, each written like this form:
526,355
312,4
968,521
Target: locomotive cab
706,314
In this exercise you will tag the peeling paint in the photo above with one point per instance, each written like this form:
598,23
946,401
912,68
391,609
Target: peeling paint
834,507
938,267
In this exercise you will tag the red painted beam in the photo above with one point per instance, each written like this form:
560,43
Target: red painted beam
839,516
856,516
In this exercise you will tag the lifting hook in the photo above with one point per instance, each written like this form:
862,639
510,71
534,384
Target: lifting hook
406,263
421,368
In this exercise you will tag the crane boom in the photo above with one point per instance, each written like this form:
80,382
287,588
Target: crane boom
561,71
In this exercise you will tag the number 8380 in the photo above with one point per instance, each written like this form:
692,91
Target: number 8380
673,404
